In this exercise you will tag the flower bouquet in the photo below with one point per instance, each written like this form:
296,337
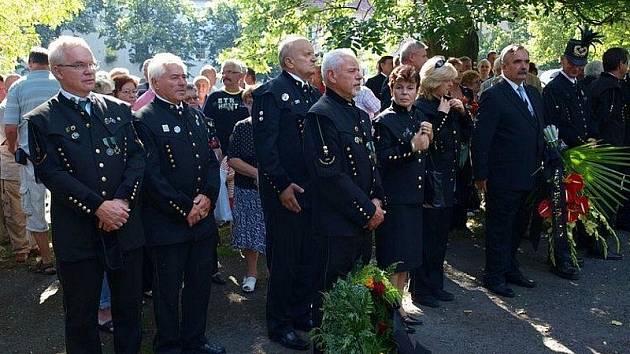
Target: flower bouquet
585,187
358,313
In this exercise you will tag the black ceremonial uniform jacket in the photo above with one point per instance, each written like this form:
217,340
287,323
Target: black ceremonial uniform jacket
180,165
607,103
278,114
448,131
85,160
402,171
568,108
340,154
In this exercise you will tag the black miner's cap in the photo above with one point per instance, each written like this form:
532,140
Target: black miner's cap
577,50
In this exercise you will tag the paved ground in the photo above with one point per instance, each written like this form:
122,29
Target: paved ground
591,315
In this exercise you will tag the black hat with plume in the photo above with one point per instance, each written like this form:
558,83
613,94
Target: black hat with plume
577,50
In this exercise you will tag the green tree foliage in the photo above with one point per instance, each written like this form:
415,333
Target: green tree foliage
18,22
146,27
449,27
222,28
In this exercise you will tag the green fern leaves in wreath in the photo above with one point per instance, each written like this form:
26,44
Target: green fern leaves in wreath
358,313
600,165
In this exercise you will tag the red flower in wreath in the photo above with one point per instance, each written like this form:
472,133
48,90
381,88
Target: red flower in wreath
544,209
381,327
578,207
574,183
379,288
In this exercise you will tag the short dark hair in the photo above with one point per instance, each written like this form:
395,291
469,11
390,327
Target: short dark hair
613,57
38,55
1,78
251,72
121,80
404,73
382,60
465,59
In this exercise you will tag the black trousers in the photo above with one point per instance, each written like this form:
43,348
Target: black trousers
292,268
429,277
188,264
338,255
506,223
81,282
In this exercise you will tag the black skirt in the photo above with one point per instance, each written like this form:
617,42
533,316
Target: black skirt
399,238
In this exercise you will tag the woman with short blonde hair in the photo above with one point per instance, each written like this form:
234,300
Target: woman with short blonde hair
433,74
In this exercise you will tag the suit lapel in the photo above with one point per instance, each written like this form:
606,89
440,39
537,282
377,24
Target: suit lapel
536,104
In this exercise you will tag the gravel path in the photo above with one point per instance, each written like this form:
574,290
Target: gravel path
591,315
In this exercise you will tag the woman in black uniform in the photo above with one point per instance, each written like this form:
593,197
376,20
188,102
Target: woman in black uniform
451,123
402,137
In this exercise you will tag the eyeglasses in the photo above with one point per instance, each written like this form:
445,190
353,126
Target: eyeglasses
440,63
81,66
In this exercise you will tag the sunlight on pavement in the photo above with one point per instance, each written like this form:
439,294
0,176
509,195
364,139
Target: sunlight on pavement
467,282
50,291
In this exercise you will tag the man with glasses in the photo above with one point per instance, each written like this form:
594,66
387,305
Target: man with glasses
86,152
26,94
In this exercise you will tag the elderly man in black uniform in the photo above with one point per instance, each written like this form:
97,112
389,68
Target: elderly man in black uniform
607,103
568,108
86,152
278,115
181,187
341,157
507,149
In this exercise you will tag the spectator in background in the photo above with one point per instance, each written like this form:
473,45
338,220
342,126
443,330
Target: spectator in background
492,57
467,63
592,71
3,89
25,95
316,79
367,101
143,87
485,68
496,69
211,74
248,229
14,218
118,71
192,97
471,80
384,66
203,88
104,85
412,52
125,88
250,77
533,69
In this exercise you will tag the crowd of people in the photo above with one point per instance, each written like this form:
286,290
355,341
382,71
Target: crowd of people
319,167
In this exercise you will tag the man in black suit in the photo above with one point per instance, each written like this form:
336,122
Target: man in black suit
181,189
86,152
507,152
278,116
385,65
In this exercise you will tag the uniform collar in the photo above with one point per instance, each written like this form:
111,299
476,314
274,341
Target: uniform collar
298,81
166,103
572,80
400,109
335,96
74,98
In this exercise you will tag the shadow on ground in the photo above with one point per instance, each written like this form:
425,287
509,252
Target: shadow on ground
591,315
